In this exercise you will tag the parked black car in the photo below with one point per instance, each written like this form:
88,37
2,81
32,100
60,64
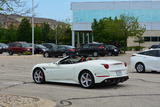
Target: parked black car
93,49
3,48
40,49
154,46
49,45
112,50
60,50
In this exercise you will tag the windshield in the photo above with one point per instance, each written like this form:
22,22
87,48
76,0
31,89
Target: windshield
25,45
2,44
70,47
111,46
75,59
41,46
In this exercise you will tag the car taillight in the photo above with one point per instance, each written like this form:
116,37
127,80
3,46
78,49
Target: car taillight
106,66
71,49
101,47
125,64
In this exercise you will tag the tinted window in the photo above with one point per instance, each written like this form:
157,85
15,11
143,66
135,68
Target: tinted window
18,45
155,53
61,47
25,45
86,46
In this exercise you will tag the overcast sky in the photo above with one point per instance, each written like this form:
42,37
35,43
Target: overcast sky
59,9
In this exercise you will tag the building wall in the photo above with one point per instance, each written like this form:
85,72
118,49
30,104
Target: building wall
147,12
149,33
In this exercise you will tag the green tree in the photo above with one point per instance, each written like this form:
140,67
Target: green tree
63,33
12,6
139,36
24,31
2,34
46,29
117,30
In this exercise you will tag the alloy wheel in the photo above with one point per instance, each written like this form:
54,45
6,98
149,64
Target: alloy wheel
95,54
64,55
140,68
38,76
46,54
86,80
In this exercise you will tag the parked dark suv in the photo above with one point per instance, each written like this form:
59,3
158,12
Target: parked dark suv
93,49
60,50
3,48
154,46
112,50
19,47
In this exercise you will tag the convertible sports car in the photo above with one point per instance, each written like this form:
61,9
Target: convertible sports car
81,70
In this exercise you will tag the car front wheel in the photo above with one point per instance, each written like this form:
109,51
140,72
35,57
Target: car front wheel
46,54
38,76
64,55
140,67
86,79
95,54
10,53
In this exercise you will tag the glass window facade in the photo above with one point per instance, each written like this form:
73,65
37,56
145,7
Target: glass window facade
81,16
151,38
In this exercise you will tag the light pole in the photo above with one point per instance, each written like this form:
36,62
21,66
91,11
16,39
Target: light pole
32,27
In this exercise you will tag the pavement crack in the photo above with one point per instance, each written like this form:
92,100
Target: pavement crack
68,102
14,85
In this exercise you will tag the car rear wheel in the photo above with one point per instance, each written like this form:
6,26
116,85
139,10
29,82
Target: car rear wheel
64,55
140,67
86,79
10,53
109,54
46,54
38,76
95,54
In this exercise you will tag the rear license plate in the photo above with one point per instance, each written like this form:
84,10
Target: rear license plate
119,73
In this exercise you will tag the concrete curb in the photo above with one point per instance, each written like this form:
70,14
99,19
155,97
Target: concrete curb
23,101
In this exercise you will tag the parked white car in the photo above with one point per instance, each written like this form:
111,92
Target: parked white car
148,60
80,70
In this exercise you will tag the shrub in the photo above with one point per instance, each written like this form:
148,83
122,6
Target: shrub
135,48
27,53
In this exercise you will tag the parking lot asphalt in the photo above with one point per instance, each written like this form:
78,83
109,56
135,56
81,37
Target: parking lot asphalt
141,90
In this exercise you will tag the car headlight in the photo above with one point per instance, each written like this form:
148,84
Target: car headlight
115,50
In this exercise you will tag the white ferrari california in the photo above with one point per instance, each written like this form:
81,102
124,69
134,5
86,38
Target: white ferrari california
148,60
79,70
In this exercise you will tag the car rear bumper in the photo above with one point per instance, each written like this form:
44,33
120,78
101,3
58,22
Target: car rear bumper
115,80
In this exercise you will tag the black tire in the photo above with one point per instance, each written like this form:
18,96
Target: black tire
10,52
89,82
46,54
102,54
64,55
95,54
38,76
140,68
109,53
